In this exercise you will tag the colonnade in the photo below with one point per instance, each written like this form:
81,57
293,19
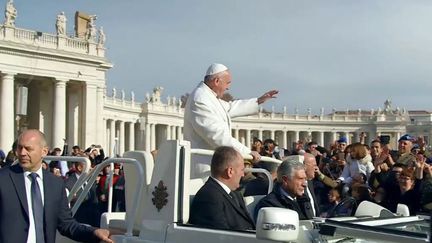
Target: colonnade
64,109
155,134
286,138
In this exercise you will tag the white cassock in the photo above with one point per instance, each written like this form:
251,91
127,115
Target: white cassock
207,124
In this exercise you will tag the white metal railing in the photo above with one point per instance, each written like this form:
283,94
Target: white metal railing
87,165
131,213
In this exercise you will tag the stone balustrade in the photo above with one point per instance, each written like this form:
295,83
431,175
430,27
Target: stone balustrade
51,41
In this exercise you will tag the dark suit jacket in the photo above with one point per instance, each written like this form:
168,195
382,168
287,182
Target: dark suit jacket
276,199
316,202
213,207
257,186
14,217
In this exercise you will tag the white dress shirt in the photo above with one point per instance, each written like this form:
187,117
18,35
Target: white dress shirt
225,187
31,238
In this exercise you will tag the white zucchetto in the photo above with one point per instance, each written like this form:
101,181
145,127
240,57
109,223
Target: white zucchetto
216,68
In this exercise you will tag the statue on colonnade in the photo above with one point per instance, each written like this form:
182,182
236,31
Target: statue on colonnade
61,24
10,14
102,37
157,92
91,28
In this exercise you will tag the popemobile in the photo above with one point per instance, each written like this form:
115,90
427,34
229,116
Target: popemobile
159,193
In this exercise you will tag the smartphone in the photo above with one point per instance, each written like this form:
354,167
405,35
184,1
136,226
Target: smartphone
341,156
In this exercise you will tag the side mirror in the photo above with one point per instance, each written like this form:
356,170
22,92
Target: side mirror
277,224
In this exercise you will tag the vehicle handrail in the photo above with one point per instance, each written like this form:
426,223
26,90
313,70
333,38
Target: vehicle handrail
266,172
130,213
248,157
82,178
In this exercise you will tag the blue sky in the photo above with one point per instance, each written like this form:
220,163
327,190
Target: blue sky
332,54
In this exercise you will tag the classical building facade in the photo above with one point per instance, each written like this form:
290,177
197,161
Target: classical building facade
57,83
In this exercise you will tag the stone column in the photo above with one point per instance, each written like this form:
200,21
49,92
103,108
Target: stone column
121,138
153,136
90,115
371,135
59,114
111,144
346,134
356,137
284,139
7,117
320,138
260,134
107,137
147,137
296,136
168,132
99,115
272,134
179,133
173,133
73,117
131,136
248,138
333,137
236,134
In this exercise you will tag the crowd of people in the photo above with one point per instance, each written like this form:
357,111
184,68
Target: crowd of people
352,172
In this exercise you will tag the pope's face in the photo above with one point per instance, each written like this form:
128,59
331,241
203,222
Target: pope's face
223,83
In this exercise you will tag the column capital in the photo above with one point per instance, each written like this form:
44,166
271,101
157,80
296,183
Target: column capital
60,82
57,79
100,88
7,74
91,85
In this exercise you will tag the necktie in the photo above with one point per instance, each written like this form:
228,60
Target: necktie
38,210
234,198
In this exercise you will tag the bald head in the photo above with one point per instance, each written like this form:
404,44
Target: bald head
31,148
40,136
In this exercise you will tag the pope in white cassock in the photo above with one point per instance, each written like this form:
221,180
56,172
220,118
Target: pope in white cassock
207,118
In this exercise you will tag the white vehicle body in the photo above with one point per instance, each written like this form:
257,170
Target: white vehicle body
159,193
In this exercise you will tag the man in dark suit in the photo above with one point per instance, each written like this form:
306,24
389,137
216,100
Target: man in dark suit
289,190
33,203
310,168
217,204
